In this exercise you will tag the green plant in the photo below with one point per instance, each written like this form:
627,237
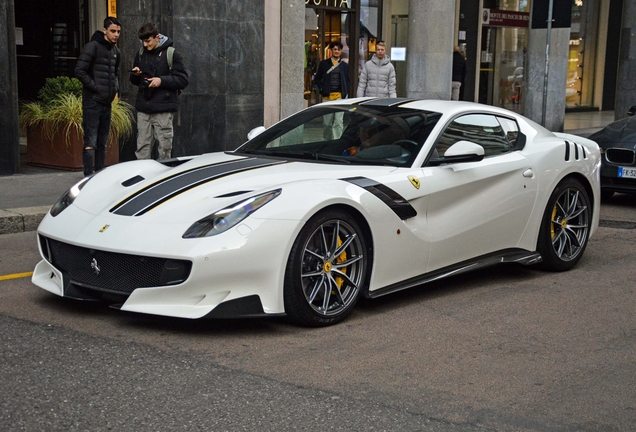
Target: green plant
63,112
53,87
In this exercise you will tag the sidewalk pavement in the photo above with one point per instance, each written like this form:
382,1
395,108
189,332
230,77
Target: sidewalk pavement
26,197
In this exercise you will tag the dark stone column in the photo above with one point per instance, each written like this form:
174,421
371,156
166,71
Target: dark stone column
223,46
626,83
9,133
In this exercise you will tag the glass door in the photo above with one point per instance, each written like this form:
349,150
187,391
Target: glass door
322,27
501,71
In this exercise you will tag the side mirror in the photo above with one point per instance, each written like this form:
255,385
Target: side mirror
461,151
631,111
464,148
255,132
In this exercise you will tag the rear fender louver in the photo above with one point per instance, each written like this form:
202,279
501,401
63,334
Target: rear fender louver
574,151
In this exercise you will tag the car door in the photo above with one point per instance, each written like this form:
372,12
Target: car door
476,208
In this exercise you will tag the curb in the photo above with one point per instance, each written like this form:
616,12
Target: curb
19,220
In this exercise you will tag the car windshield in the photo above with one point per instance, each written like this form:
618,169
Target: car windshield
347,134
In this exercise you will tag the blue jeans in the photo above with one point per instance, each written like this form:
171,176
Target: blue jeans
96,124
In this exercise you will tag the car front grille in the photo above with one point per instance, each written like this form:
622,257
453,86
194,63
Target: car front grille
620,156
111,271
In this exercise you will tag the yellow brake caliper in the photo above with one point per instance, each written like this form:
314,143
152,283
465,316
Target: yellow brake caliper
552,231
341,258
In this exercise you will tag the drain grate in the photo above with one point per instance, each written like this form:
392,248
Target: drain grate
617,224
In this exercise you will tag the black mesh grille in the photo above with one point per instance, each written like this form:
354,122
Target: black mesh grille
620,156
109,271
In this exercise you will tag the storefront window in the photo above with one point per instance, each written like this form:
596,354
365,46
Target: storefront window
573,93
503,53
322,27
356,24
370,13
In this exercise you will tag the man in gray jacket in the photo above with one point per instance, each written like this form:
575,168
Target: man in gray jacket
378,75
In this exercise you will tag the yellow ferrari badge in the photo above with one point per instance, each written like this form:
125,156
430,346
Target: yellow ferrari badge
104,228
415,181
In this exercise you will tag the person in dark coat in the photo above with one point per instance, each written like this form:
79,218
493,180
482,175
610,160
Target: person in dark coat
98,70
459,72
159,71
332,78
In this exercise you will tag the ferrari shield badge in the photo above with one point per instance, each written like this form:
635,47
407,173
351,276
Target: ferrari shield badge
415,181
104,228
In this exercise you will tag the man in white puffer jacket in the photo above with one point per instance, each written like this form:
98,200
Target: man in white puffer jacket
378,75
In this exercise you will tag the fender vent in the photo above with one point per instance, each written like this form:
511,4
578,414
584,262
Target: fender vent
574,151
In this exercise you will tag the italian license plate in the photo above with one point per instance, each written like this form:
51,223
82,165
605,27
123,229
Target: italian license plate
627,172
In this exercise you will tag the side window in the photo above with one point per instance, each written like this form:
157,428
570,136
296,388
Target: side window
511,130
487,130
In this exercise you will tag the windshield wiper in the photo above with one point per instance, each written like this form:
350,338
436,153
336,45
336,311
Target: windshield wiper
300,155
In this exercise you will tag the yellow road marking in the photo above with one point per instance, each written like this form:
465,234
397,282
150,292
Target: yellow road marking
15,276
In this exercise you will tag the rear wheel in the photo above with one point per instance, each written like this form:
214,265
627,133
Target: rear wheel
326,270
565,227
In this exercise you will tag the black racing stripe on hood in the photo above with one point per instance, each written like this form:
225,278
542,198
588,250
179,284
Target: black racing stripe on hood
388,196
157,193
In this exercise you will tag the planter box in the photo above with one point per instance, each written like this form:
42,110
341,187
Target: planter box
51,150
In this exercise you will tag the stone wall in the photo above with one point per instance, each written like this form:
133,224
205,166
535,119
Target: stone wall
9,134
223,46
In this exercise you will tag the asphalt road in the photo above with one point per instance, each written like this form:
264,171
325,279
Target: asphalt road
506,348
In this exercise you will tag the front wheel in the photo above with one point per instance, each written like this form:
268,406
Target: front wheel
565,228
326,270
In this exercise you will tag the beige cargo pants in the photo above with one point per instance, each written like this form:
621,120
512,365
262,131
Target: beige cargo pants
154,126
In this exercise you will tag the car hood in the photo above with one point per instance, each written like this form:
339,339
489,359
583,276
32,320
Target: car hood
621,133
152,192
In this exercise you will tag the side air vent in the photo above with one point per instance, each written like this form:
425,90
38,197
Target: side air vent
574,151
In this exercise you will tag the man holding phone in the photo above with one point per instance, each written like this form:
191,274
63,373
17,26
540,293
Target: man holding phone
160,74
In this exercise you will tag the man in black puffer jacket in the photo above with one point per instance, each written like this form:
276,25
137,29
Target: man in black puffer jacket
98,69
159,72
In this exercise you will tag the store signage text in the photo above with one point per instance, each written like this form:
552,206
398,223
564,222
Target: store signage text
502,18
342,4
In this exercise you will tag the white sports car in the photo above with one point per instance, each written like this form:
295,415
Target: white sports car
356,197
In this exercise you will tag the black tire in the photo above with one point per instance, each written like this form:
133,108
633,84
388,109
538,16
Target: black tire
565,228
606,195
326,270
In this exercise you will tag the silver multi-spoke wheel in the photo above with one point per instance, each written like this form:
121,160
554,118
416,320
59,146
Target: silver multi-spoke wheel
566,229
327,270
570,222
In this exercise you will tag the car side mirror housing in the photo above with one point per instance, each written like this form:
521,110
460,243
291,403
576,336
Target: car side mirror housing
631,111
255,132
464,148
461,151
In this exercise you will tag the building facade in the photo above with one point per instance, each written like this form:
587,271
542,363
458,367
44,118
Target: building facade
252,62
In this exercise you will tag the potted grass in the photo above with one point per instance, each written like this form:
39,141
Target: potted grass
54,125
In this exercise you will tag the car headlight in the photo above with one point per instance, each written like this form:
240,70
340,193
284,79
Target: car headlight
68,197
224,219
